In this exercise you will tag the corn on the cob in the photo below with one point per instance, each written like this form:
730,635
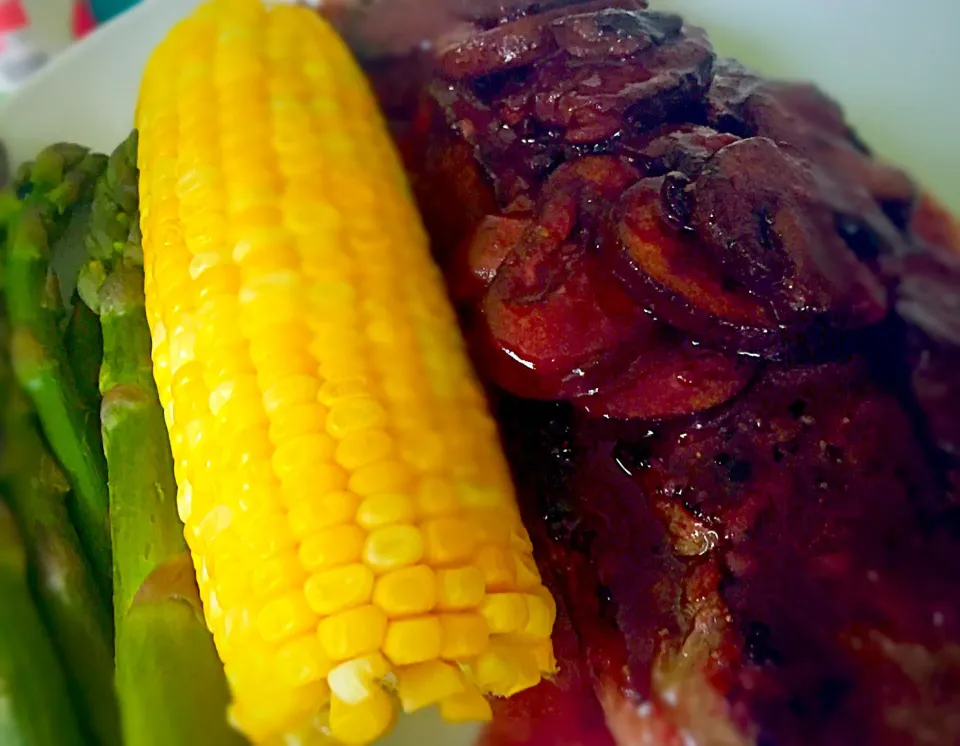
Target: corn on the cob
348,508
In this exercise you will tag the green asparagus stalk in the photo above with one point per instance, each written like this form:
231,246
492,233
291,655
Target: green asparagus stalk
114,217
60,179
75,613
35,707
159,619
184,698
84,342
146,529
82,335
73,608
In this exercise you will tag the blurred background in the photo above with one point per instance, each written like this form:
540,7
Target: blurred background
864,51
857,50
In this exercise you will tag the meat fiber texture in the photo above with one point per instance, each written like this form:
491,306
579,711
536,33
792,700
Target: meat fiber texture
724,343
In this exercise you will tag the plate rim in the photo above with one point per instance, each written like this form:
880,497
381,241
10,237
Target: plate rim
79,48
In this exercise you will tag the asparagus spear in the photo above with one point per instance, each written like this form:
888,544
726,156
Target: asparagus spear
82,336
159,620
73,608
115,215
70,603
35,708
184,698
59,179
146,529
84,342
49,168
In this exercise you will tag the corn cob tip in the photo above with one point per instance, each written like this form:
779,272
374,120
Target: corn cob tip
348,507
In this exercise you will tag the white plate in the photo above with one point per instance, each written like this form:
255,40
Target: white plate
894,66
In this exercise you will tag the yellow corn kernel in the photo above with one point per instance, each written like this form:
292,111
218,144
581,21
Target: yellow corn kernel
413,640
332,392
528,672
463,636
543,653
459,588
347,505
285,616
478,495
254,668
494,672
506,668
292,391
290,421
238,626
361,723
281,573
492,526
436,497
332,547
355,680
384,510
249,446
362,448
544,595
528,576
423,450
321,511
505,612
288,363
390,475
302,661
448,541
324,478
520,539
341,588
355,415
498,568
405,592
427,683
352,633
264,718
294,458
540,617
393,547
311,731
465,707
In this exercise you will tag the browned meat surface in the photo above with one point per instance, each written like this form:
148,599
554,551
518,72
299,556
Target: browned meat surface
724,343
783,570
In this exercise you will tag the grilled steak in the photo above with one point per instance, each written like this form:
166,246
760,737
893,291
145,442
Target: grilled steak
724,342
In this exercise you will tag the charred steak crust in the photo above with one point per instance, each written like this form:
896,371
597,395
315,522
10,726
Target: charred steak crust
724,340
